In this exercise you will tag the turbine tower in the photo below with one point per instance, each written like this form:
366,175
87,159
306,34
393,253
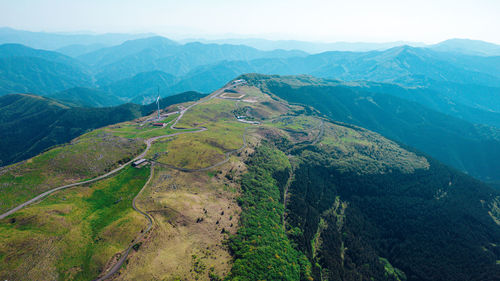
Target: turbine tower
158,102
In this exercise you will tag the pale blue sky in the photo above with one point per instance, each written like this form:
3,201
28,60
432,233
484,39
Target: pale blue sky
318,20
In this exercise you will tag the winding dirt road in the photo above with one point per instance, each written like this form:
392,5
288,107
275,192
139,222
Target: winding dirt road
124,256
148,142
48,192
148,146
116,267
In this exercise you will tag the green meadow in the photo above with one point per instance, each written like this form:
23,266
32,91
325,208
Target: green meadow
73,233
87,157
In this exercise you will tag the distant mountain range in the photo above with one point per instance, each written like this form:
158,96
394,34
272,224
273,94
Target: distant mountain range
462,46
28,70
468,47
310,47
158,53
95,64
462,85
54,41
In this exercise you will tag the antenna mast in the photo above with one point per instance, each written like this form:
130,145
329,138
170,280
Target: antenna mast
158,102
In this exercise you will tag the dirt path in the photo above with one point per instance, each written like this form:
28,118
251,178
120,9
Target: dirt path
148,146
124,256
48,192
116,267
285,196
320,133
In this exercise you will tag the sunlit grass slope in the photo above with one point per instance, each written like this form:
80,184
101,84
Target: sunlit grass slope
86,157
72,234
199,150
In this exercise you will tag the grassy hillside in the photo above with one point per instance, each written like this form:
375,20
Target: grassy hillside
73,234
85,157
42,123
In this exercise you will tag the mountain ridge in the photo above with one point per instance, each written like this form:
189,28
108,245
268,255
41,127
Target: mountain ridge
53,41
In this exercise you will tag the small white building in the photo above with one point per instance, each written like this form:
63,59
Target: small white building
139,162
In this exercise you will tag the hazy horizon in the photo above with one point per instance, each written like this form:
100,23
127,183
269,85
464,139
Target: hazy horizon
223,37
319,21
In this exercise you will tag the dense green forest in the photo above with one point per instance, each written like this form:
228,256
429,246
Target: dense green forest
431,224
261,248
428,224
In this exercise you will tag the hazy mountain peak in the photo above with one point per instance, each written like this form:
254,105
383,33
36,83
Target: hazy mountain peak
468,47
16,49
404,49
150,41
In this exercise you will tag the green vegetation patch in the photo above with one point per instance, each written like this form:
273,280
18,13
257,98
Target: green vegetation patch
297,123
134,130
186,151
261,248
365,152
199,150
392,271
202,149
72,234
89,156
205,113
170,118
